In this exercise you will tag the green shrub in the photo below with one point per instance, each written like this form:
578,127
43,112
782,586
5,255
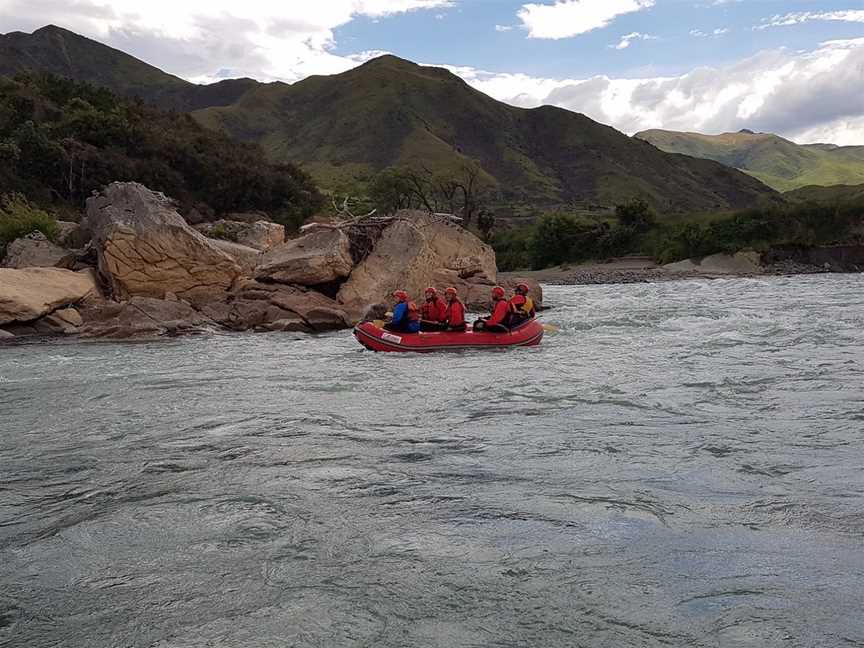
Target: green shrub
635,215
18,218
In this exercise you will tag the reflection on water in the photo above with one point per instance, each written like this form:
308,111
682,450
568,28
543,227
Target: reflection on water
680,466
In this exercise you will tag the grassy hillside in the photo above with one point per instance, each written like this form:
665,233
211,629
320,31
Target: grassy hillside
827,195
63,53
777,162
60,140
391,112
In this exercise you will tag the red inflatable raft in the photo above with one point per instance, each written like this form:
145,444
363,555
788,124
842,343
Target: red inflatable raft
376,339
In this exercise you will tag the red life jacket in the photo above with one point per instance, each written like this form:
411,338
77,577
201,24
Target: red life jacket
435,310
413,313
522,306
455,314
499,313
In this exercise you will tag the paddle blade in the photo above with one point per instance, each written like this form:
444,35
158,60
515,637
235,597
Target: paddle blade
549,328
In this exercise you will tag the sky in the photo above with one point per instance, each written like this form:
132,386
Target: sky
793,67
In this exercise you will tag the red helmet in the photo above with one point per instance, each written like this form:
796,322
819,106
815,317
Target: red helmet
431,290
523,287
498,292
451,291
401,295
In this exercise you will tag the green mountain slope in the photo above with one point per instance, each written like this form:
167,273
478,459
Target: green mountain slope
392,112
777,162
61,139
63,53
835,194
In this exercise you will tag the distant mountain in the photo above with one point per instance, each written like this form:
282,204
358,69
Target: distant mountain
391,112
777,162
64,53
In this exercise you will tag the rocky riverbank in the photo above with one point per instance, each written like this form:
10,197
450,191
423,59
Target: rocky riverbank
143,270
744,264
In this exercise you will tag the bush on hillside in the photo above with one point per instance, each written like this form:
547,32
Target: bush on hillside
635,215
18,218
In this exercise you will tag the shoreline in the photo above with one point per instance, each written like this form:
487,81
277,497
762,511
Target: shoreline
642,270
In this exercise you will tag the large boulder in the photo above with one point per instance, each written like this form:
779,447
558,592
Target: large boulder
71,235
36,251
318,258
141,316
245,256
415,251
146,249
261,235
269,306
29,293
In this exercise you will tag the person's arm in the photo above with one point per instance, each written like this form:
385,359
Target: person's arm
400,312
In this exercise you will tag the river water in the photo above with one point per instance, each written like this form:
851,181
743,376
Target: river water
681,465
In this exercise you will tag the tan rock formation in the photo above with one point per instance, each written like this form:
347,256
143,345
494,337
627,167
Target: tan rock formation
317,258
141,316
260,305
27,294
419,252
245,256
36,251
261,234
145,248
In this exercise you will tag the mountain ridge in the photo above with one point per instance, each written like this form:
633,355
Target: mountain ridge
776,161
55,50
393,112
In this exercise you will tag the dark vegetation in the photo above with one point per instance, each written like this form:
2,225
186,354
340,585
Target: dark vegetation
62,139
561,238
464,191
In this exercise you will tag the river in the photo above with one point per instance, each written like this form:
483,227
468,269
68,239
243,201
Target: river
680,465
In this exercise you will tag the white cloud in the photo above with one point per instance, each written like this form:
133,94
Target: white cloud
698,33
568,18
625,41
503,28
806,96
784,20
207,39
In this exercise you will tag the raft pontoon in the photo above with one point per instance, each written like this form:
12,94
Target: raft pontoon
377,339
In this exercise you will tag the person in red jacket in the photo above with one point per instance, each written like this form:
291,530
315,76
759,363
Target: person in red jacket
433,312
497,322
521,306
455,314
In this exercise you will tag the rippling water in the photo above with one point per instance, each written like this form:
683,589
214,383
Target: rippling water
680,466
